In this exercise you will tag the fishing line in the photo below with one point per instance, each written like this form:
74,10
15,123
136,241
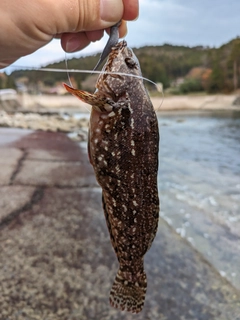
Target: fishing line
66,64
157,86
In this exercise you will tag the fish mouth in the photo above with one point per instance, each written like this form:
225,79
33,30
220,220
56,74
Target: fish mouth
120,45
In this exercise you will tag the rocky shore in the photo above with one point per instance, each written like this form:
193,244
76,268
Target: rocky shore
60,113
47,113
46,122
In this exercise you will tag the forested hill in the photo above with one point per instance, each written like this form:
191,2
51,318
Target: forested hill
215,69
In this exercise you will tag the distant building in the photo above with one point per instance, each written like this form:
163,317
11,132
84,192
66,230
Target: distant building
177,82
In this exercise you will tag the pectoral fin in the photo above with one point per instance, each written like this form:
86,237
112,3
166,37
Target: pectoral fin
101,103
85,96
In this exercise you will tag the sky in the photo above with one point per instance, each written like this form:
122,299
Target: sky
178,22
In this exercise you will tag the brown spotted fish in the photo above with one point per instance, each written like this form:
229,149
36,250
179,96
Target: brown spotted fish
123,149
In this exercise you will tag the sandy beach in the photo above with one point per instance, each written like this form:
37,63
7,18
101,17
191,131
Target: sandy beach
196,102
168,103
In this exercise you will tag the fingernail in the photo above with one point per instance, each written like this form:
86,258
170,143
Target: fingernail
111,10
73,44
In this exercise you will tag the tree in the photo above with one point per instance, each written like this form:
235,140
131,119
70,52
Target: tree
235,60
10,83
216,81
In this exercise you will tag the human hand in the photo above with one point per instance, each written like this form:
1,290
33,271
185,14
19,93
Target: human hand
29,25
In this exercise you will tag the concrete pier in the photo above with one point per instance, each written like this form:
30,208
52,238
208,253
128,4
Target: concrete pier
56,259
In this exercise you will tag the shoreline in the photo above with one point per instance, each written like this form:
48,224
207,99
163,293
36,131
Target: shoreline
68,103
70,115
196,102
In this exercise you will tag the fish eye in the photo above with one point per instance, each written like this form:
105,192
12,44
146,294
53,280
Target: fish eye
130,63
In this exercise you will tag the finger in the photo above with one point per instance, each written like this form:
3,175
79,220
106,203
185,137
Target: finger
95,35
131,9
92,35
58,36
85,15
122,29
72,42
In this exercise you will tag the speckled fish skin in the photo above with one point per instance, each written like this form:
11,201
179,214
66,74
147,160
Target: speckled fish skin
123,149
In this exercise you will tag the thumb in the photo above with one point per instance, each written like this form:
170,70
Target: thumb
72,42
85,15
87,21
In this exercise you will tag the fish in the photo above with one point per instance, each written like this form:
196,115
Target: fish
123,149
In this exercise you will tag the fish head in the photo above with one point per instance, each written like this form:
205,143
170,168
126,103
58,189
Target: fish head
115,79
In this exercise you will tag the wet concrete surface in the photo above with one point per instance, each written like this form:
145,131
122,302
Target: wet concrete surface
56,260
9,135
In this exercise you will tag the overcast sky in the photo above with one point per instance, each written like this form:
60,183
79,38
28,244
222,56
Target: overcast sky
180,22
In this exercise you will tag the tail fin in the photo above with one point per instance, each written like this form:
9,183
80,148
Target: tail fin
126,295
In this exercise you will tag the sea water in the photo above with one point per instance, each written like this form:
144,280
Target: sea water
199,184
